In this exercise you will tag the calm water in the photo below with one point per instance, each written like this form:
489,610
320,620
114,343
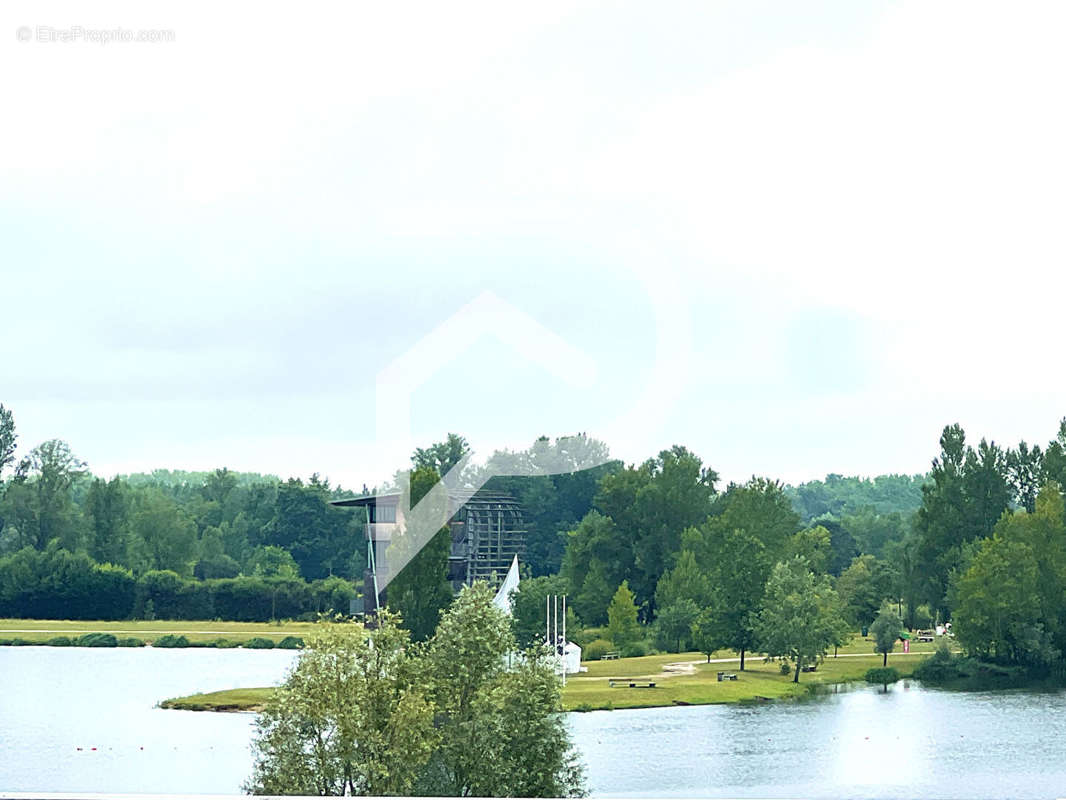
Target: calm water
860,743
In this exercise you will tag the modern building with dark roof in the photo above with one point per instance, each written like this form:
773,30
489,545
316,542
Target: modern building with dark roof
487,532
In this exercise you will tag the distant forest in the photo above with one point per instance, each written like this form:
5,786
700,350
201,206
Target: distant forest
250,546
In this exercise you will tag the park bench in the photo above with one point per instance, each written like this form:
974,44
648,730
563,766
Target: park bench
611,656
810,668
727,676
615,684
925,636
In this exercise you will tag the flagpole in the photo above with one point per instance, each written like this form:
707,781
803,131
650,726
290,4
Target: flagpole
564,640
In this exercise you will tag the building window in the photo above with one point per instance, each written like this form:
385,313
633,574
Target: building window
382,513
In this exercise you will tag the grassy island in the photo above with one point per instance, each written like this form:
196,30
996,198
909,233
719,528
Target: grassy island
679,678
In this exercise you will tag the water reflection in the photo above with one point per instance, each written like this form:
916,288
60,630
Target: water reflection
860,743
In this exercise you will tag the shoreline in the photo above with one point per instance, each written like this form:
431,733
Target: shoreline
678,682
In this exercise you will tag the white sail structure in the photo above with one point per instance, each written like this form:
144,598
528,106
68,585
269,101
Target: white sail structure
502,600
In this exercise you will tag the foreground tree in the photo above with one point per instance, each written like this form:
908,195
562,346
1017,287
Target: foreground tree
501,733
801,617
348,719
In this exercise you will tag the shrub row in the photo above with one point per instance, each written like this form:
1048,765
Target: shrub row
85,640
169,640
57,584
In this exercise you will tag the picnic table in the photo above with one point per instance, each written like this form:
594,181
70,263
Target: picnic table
621,684
611,656
727,676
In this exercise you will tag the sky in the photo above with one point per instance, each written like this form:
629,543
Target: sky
796,240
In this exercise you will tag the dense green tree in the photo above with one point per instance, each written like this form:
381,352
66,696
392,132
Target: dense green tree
529,608
500,731
442,456
107,511
967,494
998,601
842,545
862,588
673,626
8,439
552,503
53,470
165,531
597,559
843,496
1010,597
421,590
686,581
707,632
651,505
737,550
350,718
814,544
738,565
1054,464
873,531
800,619
317,534
885,631
274,562
622,625
1025,470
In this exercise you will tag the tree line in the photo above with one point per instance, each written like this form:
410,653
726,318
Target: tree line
695,558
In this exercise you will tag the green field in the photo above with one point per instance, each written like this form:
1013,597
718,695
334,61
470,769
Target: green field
149,630
680,679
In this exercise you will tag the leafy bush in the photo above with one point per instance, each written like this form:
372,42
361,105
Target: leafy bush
96,640
785,668
225,644
291,643
20,642
6,642
596,649
170,640
586,636
131,641
882,675
60,641
634,650
943,666
259,643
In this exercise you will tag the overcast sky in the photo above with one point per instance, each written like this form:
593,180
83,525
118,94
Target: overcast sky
796,238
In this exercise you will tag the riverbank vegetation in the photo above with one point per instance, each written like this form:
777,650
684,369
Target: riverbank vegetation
654,557
39,632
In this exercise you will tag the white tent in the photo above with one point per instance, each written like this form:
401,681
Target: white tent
572,658
502,600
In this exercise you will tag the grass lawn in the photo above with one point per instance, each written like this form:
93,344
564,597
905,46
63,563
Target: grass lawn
149,630
699,685
692,682
227,700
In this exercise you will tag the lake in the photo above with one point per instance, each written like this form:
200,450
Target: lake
58,704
